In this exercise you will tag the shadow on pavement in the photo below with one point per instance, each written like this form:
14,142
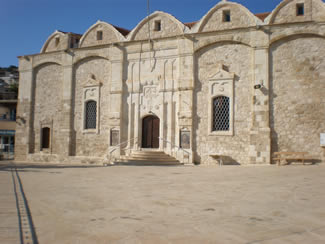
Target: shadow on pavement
27,231
9,165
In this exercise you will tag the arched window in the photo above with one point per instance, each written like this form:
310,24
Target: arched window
90,115
46,134
221,114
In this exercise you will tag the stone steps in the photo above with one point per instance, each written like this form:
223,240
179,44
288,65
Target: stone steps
148,158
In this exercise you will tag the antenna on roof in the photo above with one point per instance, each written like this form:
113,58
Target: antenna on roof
149,36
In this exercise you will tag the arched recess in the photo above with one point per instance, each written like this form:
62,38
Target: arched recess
239,17
222,68
174,27
296,92
285,12
91,81
56,41
47,98
109,35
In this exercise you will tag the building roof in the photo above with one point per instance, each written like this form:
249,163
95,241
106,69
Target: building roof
123,31
190,24
262,16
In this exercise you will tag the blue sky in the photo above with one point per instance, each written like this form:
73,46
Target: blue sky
26,24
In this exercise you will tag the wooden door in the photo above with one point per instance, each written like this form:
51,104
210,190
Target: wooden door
150,132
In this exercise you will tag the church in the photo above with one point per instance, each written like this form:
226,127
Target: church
234,85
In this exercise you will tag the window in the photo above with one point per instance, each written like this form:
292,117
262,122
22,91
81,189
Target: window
221,114
300,9
220,102
90,115
57,41
46,137
74,43
99,35
226,16
157,25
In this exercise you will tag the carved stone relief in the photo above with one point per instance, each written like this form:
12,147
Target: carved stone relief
149,99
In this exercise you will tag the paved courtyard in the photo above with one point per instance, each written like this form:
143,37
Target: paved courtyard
227,204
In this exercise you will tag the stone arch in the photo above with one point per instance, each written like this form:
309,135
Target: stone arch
297,34
225,40
179,27
45,61
271,19
50,38
39,66
88,57
249,20
115,35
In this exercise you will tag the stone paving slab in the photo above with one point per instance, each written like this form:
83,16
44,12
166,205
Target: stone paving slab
227,204
9,225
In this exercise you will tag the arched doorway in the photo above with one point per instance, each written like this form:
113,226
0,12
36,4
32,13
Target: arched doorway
150,132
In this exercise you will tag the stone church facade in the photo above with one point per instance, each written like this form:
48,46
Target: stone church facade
233,84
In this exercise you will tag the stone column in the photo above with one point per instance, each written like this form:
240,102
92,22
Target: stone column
24,123
116,90
66,115
260,134
185,88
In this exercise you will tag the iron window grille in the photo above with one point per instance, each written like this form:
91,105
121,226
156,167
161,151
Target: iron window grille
221,114
91,115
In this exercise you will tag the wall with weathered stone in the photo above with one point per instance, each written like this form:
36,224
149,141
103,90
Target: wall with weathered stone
169,27
239,16
297,94
237,59
91,143
287,11
58,42
90,37
318,8
47,105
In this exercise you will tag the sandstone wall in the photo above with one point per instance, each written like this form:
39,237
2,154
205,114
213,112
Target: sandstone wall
85,143
297,94
236,58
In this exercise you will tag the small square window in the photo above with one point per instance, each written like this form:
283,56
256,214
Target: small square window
57,41
99,35
300,9
226,16
157,25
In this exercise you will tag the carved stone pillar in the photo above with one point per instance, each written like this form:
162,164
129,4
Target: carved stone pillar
116,91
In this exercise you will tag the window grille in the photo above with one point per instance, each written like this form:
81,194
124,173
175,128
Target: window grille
221,114
91,113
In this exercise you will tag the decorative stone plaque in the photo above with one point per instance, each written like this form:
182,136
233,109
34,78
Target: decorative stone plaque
185,139
115,137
